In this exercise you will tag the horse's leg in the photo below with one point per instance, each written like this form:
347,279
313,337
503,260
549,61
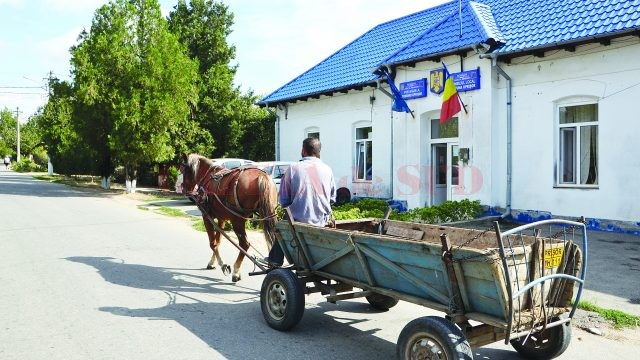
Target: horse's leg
238,228
213,243
226,269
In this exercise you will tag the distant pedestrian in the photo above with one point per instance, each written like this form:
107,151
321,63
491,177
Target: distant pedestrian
7,161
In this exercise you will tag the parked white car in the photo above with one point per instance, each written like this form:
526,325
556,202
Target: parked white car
275,169
231,163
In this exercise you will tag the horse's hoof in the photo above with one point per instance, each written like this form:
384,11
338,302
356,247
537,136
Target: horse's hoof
210,267
235,278
226,269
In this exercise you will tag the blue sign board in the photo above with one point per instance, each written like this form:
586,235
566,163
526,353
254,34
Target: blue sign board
413,89
467,80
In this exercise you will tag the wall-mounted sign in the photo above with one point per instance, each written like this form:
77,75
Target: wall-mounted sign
436,81
467,80
413,89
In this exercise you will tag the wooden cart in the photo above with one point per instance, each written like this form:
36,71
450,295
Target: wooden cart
519,285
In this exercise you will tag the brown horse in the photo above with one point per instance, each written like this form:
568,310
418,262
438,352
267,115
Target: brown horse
230,195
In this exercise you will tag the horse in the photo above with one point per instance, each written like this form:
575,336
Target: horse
230,195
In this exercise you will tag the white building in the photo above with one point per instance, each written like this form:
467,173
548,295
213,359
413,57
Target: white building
551,130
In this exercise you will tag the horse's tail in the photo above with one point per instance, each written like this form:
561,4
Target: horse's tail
267,207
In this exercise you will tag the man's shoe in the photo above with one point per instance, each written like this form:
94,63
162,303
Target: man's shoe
268,262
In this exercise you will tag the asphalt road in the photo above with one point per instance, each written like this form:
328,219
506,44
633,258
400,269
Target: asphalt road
84,275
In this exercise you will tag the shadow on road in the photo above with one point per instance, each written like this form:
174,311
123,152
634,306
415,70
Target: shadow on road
219,323
23,185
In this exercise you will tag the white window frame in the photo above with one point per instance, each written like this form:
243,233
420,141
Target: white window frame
575,129
312,130
367,143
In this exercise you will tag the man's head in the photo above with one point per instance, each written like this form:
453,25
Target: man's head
311,147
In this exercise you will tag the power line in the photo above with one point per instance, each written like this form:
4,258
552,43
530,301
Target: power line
22,93
20,87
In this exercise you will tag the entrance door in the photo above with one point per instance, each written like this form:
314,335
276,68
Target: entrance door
444,160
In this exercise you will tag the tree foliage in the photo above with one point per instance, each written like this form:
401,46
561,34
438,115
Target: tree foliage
8,133
29,135
146,89
134,85
239,129
68,150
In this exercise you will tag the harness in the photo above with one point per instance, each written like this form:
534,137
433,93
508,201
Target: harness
216,184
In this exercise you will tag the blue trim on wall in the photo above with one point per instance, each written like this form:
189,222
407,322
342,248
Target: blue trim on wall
529,216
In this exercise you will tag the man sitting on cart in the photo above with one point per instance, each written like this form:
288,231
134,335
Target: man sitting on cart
308,189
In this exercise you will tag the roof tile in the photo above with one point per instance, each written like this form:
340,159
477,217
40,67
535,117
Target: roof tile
520,25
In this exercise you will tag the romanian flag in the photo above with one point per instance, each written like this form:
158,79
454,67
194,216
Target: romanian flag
450,101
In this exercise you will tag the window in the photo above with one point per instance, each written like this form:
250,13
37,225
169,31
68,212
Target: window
578,145
312,132
363,154
446,130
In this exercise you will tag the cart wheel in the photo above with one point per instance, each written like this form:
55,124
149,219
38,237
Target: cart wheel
432,338
381,302
282,299
547,344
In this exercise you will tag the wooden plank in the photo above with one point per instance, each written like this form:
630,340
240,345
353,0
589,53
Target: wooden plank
394,268
328,260
487,319
405,233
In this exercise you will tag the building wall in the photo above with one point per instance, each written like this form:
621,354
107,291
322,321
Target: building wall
413,136
605,73
336,117
608,74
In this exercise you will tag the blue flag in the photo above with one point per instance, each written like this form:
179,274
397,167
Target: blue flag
399,104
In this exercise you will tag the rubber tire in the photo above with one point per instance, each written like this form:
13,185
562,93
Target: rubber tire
558,338
381,302
286,283
442,331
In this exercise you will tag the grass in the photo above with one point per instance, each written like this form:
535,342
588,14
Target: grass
82,181
618,318
171,211
198,224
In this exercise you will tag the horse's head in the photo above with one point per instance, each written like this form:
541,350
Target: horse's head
193,169
188,171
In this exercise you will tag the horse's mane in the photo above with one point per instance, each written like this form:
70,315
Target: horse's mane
194,162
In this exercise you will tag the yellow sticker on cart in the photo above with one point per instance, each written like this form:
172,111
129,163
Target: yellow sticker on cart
552,257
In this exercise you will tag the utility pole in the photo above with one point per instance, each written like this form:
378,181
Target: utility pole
18,133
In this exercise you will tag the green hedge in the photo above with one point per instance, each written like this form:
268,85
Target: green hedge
26,165
446,212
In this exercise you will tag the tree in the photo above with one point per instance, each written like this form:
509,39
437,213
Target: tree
134,86
8,132
258,134
57,125
203,26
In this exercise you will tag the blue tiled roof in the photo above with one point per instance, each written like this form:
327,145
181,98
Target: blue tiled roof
513,26
537,24
446,36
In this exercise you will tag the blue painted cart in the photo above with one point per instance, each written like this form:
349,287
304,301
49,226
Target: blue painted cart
520,285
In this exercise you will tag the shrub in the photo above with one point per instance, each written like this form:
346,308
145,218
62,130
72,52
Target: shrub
446,212
27,165
172,176
362,209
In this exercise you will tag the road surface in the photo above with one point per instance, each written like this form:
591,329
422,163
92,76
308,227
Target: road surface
88,275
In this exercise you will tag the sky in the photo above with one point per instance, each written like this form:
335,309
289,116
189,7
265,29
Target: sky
275,40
